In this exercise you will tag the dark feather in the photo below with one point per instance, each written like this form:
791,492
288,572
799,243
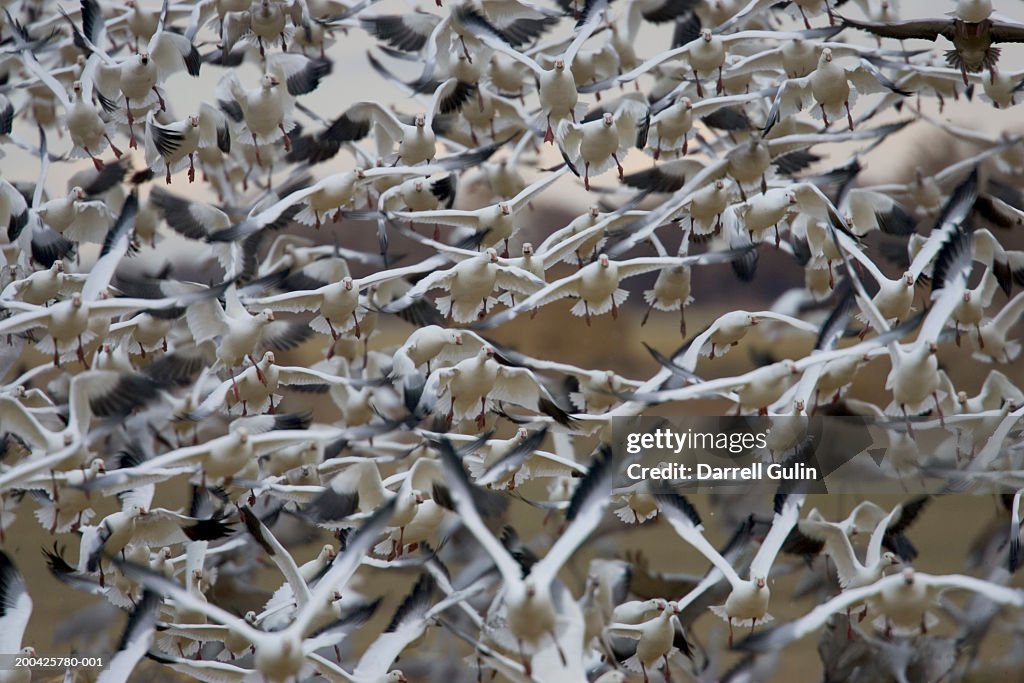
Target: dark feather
795,161
132,391
654,180
175,369
7,119
331,506
687,30
729,118
124,224
308,79
953,260
165,140
454,100
207,530
745,266
415,604
49,246
394,31
176,211
669,10
593,483
111,175
896,221
680,503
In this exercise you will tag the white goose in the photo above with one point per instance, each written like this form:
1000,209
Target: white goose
169,146
596,285
473,384
903,598
992,343
84,123
281,655
471,286
14,617
425,346
492,224
852,573
557,92
529,605
655,639
136,77
264,112
417,143
747,604
597,144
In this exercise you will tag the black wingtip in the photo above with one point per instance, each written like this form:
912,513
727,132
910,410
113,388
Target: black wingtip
680,503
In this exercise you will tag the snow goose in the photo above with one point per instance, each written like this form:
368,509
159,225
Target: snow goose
706,53
73,506
471,284
136,640
530,612
748,601
723,334
15,612
279,655
655,639
506,463
904,598
77,218
417,143
832,87
337,302
598,143
596,285
971,310
239,333
168,146
557,87
264,112
972,29
851,572
428,345
598,389
895,297
992,342
797,57
136,77
759,214
474,384
86,127
136,525
491,224
43,286
358,490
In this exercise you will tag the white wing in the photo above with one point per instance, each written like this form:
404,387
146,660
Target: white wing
772,544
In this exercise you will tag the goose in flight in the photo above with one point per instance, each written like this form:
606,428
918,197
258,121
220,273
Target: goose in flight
530,603
905,597
747,603
557,86
972,29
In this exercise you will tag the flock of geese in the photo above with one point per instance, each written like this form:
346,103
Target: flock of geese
474,477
